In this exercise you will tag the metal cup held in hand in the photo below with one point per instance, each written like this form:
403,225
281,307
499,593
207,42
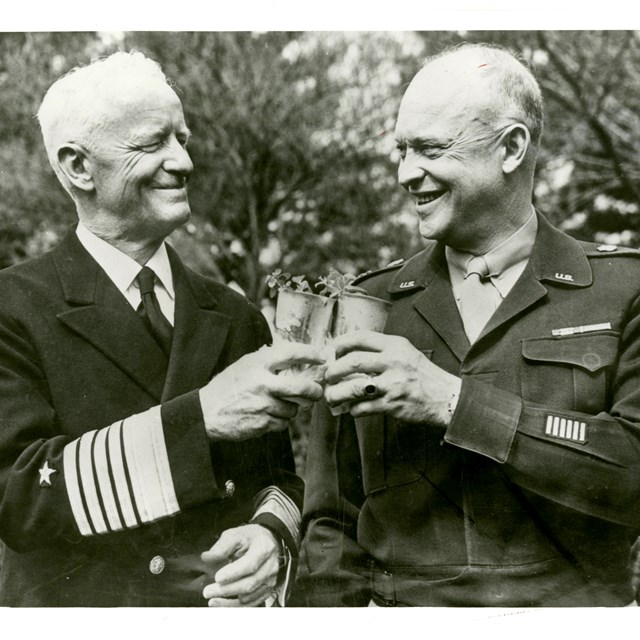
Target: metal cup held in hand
305,318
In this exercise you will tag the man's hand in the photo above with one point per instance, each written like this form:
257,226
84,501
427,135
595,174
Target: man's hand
409,386
249,398
252,573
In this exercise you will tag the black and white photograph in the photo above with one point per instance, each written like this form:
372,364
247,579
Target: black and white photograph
320,317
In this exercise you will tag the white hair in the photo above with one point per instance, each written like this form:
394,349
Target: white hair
76,107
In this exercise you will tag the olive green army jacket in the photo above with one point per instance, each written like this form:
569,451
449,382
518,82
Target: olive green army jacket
531,496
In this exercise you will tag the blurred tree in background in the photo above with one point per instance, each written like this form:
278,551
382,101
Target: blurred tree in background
589,169
32,204
293,144
291,141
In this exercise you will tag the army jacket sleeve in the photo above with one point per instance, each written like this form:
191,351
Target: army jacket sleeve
578,446
92,440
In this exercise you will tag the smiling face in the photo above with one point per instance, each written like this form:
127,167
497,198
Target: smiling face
140,166
451,158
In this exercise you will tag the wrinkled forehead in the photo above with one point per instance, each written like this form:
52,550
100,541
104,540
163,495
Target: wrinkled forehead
134,101
130,92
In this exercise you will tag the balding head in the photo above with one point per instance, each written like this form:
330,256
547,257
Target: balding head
487,79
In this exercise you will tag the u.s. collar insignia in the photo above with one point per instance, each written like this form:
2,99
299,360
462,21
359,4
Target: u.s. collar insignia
567,277
566,429
45,474
407,284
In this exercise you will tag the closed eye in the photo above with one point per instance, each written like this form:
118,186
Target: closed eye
430,150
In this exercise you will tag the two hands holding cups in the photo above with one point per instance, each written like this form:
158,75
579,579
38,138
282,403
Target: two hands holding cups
372,373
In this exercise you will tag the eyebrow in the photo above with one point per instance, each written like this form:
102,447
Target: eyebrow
424,142
150,131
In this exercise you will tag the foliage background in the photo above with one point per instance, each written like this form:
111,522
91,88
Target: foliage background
293,143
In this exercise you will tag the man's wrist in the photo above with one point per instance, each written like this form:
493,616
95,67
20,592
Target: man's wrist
209,423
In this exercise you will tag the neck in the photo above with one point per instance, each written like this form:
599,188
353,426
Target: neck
498,225
139,249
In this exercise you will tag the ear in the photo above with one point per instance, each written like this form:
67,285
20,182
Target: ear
73,161
515,144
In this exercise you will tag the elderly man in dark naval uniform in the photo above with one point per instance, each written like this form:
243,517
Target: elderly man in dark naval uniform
144,456
492,451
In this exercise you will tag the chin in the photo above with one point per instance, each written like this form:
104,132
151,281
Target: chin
166,223
184,215
178,216
429,231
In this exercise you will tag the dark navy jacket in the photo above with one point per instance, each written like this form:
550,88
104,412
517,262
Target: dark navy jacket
75,357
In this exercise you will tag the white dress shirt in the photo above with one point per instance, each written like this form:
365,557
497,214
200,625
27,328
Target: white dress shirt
122,271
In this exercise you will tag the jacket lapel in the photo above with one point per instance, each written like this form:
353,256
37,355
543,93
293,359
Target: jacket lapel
556,258
435,303
101,315
199,334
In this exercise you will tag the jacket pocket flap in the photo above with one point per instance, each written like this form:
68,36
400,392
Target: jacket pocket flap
590,351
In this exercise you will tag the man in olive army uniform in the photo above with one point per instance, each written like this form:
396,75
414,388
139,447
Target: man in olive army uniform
491,456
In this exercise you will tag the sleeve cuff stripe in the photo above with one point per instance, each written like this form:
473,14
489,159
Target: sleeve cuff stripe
274,501
170,499
101,468
96,482
69,462
88,482
129,455
127,485
120,477
119,514
148,464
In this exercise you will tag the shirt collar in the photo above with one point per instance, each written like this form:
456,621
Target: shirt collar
516,248
121,268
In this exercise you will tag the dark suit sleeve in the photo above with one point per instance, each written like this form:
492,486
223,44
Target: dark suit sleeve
143,468
588,462
334,569
55,486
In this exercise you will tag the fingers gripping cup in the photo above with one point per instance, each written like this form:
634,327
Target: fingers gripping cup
355,312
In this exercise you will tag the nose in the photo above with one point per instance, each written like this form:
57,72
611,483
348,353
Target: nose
410,170
178,160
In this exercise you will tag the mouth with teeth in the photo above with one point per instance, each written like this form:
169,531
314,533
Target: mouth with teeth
427,197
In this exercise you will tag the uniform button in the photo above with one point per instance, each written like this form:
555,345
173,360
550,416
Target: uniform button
156,566
229,488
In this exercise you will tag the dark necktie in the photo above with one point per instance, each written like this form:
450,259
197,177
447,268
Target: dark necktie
149,310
